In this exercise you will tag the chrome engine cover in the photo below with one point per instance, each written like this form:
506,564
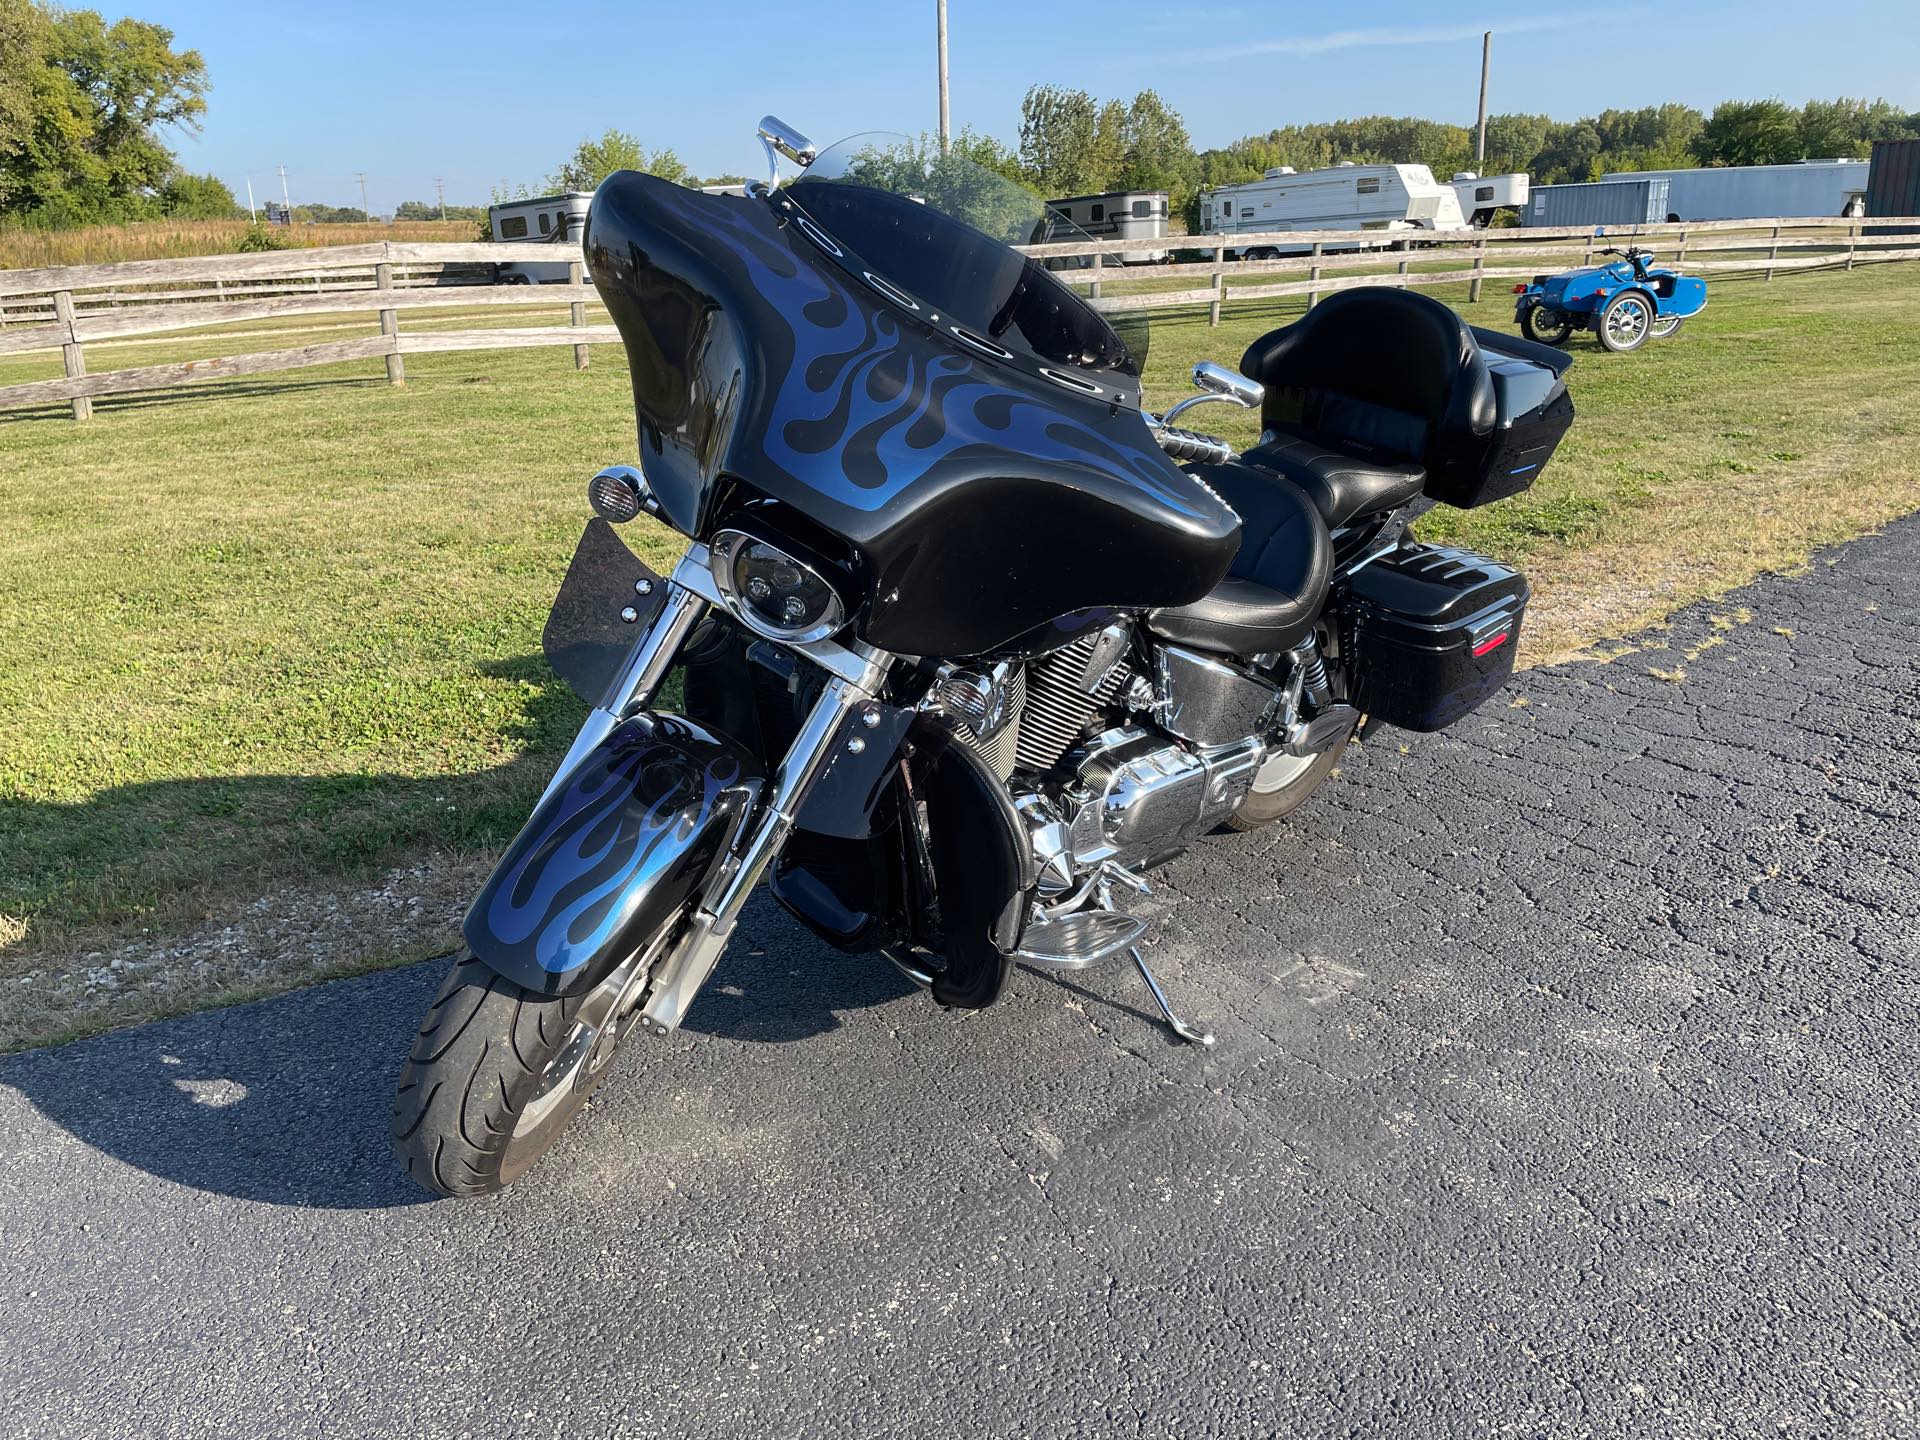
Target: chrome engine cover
1136,797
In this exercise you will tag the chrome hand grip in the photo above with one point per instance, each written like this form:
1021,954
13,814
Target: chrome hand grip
1189,445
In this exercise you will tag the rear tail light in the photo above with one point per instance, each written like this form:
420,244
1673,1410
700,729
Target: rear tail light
1520,289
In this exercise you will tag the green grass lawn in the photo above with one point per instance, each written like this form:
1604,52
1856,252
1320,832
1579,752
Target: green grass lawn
285,632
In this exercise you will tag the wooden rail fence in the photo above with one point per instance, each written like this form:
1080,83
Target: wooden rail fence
68,307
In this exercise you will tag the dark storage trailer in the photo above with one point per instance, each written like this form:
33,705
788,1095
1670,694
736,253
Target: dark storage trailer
1598,202
1893,184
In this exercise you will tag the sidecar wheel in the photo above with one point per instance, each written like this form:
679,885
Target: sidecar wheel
1555,331
1668,328
495,1074
1626,323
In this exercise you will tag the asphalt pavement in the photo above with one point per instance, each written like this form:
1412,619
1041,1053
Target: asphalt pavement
1566,1086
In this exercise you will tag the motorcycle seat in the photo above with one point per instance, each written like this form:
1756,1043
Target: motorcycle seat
1277,583
1340,483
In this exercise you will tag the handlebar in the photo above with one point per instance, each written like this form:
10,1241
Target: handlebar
1188,445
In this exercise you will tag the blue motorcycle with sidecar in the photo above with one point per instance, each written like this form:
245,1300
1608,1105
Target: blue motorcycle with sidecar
1625,302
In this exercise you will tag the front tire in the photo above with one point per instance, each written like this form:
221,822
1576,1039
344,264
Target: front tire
480,1098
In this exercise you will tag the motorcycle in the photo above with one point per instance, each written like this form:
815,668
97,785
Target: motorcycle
1625,304
964,640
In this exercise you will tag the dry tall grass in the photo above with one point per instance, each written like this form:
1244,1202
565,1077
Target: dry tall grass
171,239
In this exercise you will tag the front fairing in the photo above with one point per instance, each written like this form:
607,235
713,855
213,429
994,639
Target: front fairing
969,499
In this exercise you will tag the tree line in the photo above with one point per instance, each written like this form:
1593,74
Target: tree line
1071,143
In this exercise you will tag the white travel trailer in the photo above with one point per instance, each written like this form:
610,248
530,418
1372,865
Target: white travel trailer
1388,198
558,220
1746,192
1481,195
1119,215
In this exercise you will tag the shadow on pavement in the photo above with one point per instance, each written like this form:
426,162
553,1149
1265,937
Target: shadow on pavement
285,1101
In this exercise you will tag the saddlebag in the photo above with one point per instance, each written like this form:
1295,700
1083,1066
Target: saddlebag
1429,632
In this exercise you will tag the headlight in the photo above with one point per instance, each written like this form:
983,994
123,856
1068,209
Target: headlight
772,593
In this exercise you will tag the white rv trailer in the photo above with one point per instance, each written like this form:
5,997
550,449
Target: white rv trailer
1118,215
557,220
1481,195
1388,198
1746,192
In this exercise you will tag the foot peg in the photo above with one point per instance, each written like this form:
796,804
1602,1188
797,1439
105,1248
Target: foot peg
1086,937
1191,1033
1312,737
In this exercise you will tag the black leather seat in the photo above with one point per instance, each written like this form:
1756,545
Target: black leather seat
1340,484
1278,580
1366,394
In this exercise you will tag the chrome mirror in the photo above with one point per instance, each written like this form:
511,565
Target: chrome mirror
1222,384
780,138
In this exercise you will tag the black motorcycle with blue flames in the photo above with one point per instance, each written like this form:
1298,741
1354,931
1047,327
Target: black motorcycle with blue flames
964,641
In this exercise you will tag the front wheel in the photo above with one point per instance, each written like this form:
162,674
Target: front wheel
1549,327
495,1074
1626,323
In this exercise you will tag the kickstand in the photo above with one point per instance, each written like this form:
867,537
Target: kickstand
1202,1038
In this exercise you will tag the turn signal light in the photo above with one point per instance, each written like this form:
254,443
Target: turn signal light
618,493
1519,289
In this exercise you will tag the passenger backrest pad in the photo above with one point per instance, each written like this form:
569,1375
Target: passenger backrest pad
1384,370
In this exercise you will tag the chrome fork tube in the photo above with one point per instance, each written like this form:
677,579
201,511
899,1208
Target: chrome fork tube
646,666
684,971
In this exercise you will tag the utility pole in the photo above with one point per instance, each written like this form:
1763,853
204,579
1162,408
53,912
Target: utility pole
285,198
946,128
1480,133
253,215
361,176
440,189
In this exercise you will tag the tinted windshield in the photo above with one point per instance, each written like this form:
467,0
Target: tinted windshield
937,227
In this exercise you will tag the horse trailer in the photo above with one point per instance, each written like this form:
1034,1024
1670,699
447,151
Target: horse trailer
1482,196
545,220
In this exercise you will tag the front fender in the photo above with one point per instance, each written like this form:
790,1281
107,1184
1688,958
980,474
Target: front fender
617,848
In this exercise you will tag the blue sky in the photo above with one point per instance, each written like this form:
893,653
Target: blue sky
482,92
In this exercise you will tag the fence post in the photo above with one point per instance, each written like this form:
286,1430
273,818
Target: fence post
390,326
577,275
1219,283
1313,277
1093,291
1773,253
76,363
1680,256
1403,270
1853,240
1588,258
1479,268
